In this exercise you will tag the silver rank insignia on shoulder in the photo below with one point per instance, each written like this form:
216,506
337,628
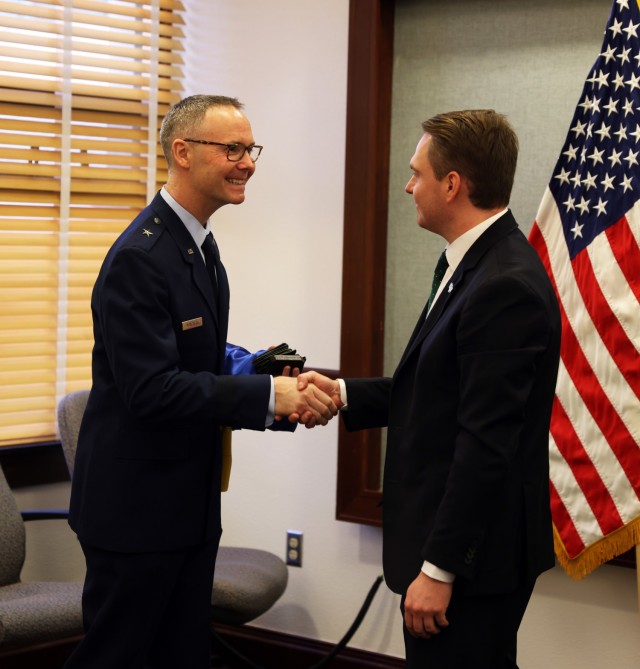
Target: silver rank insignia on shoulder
147,232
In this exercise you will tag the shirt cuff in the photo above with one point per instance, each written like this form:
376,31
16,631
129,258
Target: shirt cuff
271,411
437,573
343,393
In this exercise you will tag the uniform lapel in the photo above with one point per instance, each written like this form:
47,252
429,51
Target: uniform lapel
190,253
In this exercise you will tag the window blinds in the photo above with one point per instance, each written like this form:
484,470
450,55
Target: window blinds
83,87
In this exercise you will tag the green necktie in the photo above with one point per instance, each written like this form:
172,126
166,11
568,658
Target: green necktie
438,274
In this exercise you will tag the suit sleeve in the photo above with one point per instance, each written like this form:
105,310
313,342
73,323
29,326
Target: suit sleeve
151,375
502,336
367,403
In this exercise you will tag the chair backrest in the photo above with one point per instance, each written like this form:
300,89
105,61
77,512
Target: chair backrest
70,411
12,535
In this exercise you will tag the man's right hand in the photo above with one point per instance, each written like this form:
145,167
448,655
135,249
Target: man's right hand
329,386
309,404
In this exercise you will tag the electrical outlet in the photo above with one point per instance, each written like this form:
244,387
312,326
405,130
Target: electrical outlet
294,548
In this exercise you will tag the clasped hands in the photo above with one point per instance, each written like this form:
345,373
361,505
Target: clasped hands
308,398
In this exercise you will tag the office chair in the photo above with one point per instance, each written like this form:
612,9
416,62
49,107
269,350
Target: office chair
247,581
34,613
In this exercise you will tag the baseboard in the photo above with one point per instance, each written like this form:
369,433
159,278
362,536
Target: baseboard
270,649
264,648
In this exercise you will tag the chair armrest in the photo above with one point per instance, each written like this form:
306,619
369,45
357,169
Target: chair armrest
44,514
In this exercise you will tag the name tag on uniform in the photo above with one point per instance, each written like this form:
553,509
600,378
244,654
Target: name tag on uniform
193,323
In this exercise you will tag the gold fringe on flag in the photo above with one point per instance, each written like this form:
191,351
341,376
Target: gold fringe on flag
597,554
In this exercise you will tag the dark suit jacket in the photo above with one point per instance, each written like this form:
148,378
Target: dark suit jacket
466,482
147,470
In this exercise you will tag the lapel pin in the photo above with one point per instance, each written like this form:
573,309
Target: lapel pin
190,252
450,288
147,232
156,220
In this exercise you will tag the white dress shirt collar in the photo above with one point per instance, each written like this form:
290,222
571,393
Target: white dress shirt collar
456,251
191,223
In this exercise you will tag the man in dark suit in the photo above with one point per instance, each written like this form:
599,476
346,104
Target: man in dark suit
145,499
466,517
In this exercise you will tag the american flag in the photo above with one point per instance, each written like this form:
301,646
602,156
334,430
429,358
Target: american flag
587,232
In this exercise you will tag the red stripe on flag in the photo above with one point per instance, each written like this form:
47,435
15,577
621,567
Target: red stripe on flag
625,249
606,322
571,540
587,384
598,404
587,476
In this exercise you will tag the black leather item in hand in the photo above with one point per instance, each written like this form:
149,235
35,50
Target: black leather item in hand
274,361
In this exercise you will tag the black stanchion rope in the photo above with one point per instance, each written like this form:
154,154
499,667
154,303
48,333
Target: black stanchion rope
334,651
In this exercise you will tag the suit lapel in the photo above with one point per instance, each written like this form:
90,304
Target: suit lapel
427,321
502,227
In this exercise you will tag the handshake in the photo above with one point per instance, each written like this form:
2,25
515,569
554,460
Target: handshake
308,398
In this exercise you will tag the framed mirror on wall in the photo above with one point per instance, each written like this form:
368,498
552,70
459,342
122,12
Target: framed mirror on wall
408,60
